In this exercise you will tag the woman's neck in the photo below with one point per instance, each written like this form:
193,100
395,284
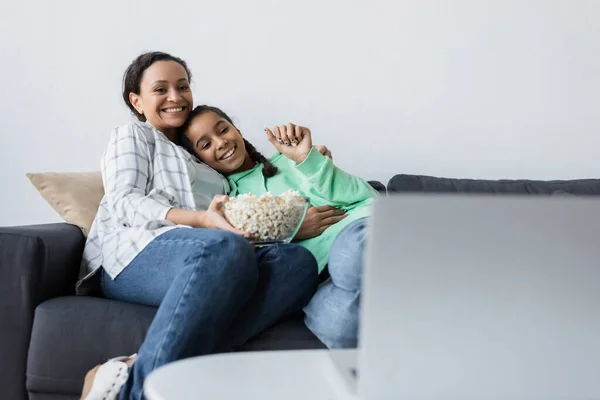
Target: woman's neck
171,134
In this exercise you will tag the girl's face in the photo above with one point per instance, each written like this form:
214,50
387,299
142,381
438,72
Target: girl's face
165,97
217,143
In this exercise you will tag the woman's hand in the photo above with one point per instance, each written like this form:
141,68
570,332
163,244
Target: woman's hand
318,219
294,142
324,150
215,218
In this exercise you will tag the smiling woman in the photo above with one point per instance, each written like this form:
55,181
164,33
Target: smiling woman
160,239
162,96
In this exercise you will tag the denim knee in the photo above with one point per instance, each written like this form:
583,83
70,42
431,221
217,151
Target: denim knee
302,274
231,254
289,260
232,244
346,256
303,261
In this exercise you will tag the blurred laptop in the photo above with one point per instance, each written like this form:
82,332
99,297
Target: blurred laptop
477,297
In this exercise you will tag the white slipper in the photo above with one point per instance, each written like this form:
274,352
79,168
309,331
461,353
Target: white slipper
109,379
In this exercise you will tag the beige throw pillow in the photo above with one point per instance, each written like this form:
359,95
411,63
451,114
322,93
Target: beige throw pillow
75,196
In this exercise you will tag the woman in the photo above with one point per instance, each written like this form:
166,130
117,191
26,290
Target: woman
160,239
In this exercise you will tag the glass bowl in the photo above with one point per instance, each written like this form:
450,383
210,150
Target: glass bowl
268,219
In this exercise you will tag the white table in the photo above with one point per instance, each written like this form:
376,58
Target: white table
290,375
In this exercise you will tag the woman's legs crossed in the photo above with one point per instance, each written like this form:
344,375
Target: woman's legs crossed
201,278
217,291
332,314
288,277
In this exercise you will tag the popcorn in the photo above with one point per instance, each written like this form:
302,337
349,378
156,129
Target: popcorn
267,218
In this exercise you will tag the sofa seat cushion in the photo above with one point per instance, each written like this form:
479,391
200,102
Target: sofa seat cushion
71,335
288,334
419,183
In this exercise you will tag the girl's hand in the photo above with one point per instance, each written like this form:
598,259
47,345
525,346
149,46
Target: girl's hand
318,219
214,217
294,142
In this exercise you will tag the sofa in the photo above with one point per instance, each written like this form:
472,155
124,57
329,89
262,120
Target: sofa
49,338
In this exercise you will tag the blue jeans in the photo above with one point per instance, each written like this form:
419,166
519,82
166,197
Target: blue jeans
214,292
332,314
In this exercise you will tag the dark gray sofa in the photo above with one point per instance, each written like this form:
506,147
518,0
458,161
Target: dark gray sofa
49,338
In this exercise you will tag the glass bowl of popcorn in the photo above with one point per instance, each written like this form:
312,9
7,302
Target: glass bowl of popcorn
267,218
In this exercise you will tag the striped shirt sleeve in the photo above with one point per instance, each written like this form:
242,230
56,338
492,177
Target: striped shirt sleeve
126,171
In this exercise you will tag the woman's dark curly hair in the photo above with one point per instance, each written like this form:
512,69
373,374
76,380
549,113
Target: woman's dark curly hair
269,169
133,75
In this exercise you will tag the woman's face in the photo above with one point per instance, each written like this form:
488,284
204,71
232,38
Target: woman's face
217,142
165,96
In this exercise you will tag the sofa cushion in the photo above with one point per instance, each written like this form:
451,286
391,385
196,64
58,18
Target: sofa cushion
380,187
420,183
73,334
75,196
288,334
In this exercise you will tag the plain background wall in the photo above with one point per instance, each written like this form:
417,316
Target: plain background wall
461,88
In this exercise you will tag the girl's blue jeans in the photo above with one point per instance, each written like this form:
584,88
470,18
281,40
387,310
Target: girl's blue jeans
332,314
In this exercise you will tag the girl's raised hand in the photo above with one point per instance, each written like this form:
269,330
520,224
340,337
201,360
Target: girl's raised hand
294,142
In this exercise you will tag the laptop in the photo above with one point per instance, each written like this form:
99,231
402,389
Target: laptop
478,297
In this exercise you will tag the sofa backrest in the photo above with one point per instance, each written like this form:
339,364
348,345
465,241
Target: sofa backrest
420,183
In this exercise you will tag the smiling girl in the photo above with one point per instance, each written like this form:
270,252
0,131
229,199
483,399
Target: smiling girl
332,314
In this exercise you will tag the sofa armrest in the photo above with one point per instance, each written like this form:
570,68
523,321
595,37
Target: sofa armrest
380,187
37,263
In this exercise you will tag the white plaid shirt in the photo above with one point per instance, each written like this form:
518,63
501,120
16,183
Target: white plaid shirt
144,176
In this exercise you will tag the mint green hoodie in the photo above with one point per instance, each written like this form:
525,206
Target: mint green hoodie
318,179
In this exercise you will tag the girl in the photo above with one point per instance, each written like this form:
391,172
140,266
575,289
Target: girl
160,238
333,312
